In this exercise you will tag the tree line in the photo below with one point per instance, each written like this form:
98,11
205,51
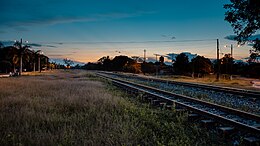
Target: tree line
18,58
199,66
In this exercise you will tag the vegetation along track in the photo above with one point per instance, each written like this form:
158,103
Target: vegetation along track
245,100
225,115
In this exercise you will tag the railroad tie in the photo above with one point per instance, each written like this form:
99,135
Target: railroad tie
155,102
257,126
207,123
163,105
226,131
193,117
251,141
169,107
150,99
180,110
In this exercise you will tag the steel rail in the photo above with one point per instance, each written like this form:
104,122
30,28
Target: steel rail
231,90
161,95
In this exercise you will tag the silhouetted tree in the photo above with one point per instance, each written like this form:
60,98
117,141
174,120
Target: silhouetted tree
106,63
181,64
21,50
244,16
226,64
201,65
148,67
253,57
9,55
161,59
119,62
132,67
68,62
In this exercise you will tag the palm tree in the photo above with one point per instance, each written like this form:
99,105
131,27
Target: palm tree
20,53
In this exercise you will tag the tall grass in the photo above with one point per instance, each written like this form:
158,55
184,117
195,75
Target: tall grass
69,108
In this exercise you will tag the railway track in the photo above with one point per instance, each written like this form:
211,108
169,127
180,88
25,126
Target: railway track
237,119
247,100
235,91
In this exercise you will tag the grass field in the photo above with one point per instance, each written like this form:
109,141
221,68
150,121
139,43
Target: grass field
75,108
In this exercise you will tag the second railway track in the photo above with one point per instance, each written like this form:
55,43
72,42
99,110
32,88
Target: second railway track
238,119
245,100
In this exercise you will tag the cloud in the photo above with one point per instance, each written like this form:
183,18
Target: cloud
20,24
230,37
250,39
168,36
41,45
59,60
233,37
10,43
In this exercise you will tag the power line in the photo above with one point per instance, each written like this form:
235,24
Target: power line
128,42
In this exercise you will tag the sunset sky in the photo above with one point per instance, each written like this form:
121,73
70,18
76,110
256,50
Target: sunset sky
85,30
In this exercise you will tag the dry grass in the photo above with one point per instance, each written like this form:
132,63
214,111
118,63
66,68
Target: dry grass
70,108
237,82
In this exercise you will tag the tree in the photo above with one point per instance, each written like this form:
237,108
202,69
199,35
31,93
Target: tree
201,65
68,62
119,62
244,16
21,51
181,64
226,64
161,59
105,63
253,57
148,67
10,54
132,67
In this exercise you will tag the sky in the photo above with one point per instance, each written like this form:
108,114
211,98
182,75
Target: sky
84,30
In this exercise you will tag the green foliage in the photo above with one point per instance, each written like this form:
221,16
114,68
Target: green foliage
11,56
244,17
201,65
148,67
68,62
181,64
226,64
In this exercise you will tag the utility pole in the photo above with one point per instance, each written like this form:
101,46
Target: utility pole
21,57
39,63
144,55
156,55
218,61
231,47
